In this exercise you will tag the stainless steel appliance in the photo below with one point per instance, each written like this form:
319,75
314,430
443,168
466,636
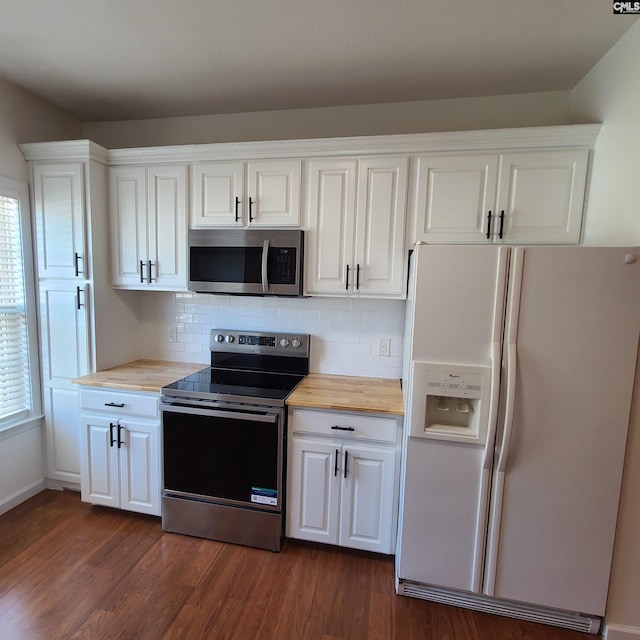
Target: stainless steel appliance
246,261
224,435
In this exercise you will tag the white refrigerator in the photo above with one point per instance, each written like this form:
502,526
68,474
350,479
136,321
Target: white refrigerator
519,373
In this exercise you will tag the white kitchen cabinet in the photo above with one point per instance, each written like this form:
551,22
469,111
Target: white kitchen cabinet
354,239
83,324
148,208
270,197
513,197
120,451
64,320
58,195
343,479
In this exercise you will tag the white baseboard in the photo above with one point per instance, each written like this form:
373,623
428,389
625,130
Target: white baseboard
20,496
620,632
59,485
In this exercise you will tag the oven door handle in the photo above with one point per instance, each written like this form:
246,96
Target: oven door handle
214,413
265,258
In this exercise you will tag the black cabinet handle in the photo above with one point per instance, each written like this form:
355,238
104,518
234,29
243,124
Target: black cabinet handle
250,206
335,464
346,280
76,257
120,442
141,272
346,455
335,426
79,305
489,226
357,277
114,404
237,208
149,271
501,223
111,428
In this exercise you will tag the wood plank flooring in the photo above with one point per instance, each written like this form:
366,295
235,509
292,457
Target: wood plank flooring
72,571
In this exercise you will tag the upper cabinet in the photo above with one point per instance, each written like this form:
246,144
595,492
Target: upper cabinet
148,209
513,197
246,194
58,194
355,226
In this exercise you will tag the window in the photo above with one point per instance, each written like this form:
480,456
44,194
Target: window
19,389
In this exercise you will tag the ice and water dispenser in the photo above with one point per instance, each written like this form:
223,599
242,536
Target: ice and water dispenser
450,401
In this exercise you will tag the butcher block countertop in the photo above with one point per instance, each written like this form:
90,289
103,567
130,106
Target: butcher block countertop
348,393
140,375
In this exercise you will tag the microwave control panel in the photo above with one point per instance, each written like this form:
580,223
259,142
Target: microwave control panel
282,265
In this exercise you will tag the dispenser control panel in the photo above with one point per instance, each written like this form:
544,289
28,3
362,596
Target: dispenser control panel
454,384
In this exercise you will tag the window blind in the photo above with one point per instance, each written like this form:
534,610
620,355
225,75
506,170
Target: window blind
15,377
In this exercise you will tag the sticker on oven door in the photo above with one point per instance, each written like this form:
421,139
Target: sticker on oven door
261,495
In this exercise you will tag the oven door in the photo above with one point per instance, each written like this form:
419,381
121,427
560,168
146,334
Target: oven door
224,455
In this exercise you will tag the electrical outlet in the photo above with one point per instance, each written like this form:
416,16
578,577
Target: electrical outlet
173,334
384,346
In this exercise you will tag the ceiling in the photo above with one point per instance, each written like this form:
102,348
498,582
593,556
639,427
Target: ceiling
106,60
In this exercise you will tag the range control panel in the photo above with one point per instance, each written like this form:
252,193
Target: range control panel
254,342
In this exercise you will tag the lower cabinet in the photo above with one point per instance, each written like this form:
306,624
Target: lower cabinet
343,488
120,450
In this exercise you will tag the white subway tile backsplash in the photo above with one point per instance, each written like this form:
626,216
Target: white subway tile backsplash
344,332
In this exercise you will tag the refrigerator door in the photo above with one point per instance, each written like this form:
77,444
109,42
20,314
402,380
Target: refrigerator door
571,341
457,305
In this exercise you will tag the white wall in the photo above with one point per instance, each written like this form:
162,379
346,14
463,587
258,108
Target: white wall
610,93
463,114
24,118
345,332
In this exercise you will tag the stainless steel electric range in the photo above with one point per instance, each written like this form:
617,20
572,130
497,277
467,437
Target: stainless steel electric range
224,439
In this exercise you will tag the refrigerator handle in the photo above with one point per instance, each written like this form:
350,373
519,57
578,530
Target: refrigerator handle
509,408
493,405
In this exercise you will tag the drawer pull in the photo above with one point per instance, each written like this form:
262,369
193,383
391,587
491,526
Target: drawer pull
120,405
337,428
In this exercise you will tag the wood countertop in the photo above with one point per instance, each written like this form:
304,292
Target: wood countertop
140,375
349,393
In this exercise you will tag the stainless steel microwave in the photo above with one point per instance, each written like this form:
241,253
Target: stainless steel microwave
246,261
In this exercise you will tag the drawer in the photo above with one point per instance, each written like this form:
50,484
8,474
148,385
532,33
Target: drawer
344,425
118,403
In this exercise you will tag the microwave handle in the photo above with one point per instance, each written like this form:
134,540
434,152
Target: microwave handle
265,257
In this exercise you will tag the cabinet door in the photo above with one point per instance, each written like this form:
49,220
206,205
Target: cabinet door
366,520
217,197
140,467
64,338
100,483
60,220
453,197
167,227
542,196
128,220
274,192
330,226
380,260
314,480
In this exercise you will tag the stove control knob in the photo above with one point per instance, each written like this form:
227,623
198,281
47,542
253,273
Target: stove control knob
229,339
295,343
284,342
219,337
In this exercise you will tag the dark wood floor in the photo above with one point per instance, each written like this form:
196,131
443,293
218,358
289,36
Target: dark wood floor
69,570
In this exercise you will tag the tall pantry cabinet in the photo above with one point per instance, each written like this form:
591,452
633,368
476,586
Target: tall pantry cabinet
84,324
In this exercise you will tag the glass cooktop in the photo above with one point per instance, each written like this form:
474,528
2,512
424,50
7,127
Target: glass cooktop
212,383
